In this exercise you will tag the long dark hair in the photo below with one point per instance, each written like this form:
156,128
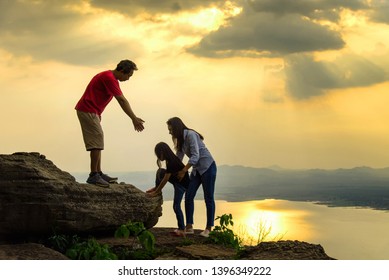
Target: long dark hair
163,152
178,127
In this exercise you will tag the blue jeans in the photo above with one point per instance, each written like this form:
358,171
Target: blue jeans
207,180
179,191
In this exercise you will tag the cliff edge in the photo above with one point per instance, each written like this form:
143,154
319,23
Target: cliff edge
37,198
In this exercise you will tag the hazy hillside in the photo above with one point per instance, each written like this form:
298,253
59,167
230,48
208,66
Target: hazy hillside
360,186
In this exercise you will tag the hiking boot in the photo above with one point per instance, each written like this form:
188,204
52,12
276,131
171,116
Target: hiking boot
107,178
96,179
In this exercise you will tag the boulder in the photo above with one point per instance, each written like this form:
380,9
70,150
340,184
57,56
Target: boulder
29,251
37,198
285,250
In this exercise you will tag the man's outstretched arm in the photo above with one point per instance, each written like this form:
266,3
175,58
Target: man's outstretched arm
125,105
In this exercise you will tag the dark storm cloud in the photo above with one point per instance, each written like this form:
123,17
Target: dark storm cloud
49,30
152,7
277,28
265,34
323,9
290,30
380,11
307,77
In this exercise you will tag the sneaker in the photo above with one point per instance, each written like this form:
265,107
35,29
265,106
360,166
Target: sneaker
97,180
107,178
178,232
205,233
189,231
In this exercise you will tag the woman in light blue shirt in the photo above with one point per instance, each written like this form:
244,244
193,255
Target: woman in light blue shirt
190,143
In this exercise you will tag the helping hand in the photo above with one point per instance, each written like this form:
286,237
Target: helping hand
138,124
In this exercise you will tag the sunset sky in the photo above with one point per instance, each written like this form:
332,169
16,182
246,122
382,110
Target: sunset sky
298,84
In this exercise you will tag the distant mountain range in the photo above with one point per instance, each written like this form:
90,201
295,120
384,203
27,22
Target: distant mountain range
359,186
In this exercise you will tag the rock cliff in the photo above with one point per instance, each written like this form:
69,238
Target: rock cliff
37,198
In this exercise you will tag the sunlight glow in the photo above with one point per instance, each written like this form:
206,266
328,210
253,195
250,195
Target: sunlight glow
268,220
212,18
260,226
209,19
352,19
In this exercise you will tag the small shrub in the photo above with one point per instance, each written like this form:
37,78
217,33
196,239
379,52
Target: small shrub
145,238
90,250
223,234
130,229
62,242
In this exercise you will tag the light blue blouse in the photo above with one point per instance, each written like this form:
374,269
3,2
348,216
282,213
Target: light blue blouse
194,148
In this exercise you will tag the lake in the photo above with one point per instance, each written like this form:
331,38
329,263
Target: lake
346,233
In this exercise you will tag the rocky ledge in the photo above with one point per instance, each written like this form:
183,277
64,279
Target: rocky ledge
37,200
196,247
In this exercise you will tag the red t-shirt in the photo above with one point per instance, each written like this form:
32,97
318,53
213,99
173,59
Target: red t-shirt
99,92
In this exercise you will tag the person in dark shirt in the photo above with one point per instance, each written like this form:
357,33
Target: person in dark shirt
173,166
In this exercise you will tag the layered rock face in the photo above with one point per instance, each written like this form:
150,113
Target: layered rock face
37,198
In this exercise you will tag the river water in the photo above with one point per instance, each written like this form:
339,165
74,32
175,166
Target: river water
346,233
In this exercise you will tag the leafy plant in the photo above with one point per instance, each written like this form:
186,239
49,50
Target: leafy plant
223,234
58,242
90,250
62,242
130,229
145,238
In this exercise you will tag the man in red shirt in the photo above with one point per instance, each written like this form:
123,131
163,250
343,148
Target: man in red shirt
99,92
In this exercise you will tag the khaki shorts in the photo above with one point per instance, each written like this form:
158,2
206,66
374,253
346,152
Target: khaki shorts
92,132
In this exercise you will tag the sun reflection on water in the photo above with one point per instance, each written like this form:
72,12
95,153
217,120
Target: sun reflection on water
255,221
267,220
344,232
260,226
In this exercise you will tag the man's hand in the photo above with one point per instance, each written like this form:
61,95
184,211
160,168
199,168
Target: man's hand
123,102
138,124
